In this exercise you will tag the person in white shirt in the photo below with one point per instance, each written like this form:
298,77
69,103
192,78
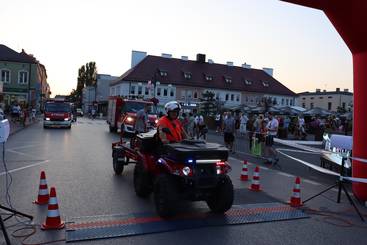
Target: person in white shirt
272,129
243,124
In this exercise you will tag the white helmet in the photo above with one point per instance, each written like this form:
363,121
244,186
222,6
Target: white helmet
171,106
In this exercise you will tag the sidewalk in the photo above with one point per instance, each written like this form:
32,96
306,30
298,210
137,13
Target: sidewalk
17,126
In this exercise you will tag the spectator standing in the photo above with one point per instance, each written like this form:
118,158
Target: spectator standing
243,124
141,122
229,130
218,123
250,130
272,131
191,125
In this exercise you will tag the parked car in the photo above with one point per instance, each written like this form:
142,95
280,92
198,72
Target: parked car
79,112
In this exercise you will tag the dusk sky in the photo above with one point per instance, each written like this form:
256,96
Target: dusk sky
300,43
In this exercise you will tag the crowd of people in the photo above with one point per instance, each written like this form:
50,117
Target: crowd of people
19,113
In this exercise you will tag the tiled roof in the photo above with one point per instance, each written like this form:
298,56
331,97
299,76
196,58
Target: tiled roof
222,76
7,54
325,93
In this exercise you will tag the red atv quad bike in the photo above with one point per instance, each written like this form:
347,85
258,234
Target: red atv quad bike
190,170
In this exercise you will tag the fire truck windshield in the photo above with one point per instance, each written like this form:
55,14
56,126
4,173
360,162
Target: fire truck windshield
57,107
131,106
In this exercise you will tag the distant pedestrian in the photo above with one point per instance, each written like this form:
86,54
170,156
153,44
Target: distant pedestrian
243,124
272,131
218,123
229,130
191,125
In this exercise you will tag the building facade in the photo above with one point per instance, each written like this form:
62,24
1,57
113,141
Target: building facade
23,79
167,78
328,100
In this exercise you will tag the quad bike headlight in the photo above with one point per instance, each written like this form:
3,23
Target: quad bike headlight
186,171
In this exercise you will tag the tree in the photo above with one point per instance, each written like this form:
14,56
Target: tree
87,76
91,74
209,103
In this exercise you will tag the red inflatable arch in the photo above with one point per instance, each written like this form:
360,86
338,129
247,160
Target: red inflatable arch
348,17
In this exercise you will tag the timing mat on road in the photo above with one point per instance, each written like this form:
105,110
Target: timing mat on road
97,227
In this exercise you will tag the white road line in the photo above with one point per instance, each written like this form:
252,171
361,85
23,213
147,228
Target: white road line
285,174
310,182
25,167
21,153
22,147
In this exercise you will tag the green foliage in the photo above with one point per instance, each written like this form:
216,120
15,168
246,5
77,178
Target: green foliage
209,105
87,76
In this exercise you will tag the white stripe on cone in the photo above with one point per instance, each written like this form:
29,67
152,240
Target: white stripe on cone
43,192
53,213
52,200
296,194
43,182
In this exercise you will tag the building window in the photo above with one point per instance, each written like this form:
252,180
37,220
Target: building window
140,90
248,82
304,105
146,91
132,89
237,98
303,98
118,90
232,97
5,76
291,102
189,94
195,95
227,97
187,75
183,94
172,93
208,77
311,98
227,79
158,91
165,92
287,101
22,77
282,101
343,105
321,98
330,97
163,73
266,84
329,106
311,105
246,99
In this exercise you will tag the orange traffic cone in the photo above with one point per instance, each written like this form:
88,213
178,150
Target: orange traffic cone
244,172
53,220
296,197
255,184
43,190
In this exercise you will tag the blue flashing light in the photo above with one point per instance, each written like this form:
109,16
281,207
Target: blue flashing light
190,161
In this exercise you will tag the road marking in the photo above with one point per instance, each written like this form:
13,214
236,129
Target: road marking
25,167
310,182
22,147
21,153
299,151
285,174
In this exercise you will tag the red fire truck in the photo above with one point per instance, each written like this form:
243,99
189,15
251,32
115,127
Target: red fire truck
57,113
122,113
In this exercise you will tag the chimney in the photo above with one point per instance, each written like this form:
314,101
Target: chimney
164,55
229,63
346,90
136,57
247,66
318,90
337,89
269,71
184,57
200,58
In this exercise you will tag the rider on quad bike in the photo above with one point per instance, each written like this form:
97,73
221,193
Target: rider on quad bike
170,129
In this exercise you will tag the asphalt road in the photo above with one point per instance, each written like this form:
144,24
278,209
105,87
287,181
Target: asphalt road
78,163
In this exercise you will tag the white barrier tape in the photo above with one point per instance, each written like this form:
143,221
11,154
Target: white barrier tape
299,151
360,180
359,159
53,213
43,192
320,169
52,200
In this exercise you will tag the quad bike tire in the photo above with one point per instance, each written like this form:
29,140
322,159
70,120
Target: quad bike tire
222,197
165,196
118,166
142,181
